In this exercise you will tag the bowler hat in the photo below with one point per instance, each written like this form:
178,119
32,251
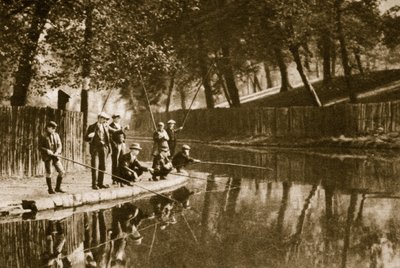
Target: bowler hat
104,115
135,146
115,116
52,124
171,121
185,147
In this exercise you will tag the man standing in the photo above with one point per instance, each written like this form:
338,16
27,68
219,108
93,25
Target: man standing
130,168
117,143
160,138
50,147
98,136
162,164
182,158
171,130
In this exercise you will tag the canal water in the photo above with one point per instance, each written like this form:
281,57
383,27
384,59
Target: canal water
313,209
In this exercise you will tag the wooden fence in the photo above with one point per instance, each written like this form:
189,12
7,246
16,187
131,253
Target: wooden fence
20,129
282,122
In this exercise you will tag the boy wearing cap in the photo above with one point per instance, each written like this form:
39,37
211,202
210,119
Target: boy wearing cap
182,158
117,143
160,138
129,167
50,146
162,164
98,136
171,130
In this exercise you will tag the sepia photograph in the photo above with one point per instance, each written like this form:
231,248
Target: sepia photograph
200,133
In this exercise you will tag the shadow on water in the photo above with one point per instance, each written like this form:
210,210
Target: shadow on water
312,210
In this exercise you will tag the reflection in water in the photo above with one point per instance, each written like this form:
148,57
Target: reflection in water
313,211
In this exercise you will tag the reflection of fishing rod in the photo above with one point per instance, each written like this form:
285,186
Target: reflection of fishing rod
232,164
118,177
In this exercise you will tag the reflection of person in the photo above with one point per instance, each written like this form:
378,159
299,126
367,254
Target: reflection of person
125,221
98,135
162,164
163,206
117,143
182,158
171,130
50,146
129,167
160,138
55,241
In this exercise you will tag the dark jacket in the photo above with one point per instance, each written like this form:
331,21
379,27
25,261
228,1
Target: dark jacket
93,128
161,164
126,162
171,133
45,144
118,136
181,159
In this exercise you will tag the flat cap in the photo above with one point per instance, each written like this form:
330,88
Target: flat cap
171,121
164,148
104,115
185,147
160,124
52,124
135,146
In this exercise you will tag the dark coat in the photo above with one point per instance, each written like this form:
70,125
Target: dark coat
118,136
126,162
92,128
171,133
161,164
45,144
181,159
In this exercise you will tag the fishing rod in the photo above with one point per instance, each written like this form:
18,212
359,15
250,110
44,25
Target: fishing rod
195,95
147,98
233,164
118,177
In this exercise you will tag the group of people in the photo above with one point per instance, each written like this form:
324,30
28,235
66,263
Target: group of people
104,138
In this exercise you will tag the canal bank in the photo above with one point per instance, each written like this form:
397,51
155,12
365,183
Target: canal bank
19,195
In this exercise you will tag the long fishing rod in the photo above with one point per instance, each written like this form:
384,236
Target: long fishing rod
147,98
195,95
108,96
233,164
118,177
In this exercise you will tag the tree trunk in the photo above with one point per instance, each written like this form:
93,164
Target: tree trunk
347,229
317,67
343,50
296,55
358,60
256,83
229,77
333,61
205,74
268,75
24,74
285,84
326,56
182,93
170,89
223,85
86,65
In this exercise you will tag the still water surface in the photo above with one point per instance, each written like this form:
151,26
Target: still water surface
315,209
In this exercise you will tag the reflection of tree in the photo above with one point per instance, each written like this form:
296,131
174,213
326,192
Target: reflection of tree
282,210
295,239
349,222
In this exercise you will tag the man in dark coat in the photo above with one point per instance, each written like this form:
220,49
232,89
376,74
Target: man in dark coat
50,146
171,131
98,136
182,158
130,168
117,143
162,164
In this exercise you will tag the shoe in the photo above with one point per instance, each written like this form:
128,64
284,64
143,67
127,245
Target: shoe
103,186
51,191
94,187
154,179
59,190
163,178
